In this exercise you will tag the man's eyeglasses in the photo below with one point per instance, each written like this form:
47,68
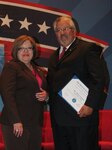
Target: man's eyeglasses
63,29
23,49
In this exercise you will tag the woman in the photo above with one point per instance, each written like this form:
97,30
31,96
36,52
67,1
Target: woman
23,91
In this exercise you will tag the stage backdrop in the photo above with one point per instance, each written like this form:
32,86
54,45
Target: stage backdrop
35,18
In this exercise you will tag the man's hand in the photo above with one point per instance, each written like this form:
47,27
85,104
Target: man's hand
85,111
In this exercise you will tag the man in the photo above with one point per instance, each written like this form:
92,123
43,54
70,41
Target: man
74,130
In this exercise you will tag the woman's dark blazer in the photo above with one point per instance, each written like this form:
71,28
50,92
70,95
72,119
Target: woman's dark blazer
83,60
18,87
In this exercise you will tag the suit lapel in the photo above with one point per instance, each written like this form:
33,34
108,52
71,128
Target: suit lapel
69,51
27,71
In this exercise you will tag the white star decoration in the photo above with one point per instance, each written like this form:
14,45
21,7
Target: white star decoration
43,27
6,21
25,24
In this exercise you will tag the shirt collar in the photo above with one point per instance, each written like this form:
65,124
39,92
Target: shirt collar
61,47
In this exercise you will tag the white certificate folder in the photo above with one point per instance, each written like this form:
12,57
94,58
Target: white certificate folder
75,93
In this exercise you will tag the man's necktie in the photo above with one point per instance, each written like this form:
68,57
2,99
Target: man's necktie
62,53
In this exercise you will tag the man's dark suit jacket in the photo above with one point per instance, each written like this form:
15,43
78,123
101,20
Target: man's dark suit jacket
107,82
83,60
18,87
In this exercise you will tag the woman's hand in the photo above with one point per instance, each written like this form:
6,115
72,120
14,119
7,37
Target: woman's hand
18,129
42,96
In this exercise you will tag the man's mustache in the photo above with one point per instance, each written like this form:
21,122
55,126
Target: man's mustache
64,36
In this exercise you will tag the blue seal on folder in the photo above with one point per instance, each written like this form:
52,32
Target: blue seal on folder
73,100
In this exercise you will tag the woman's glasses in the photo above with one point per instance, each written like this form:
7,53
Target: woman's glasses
24,49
